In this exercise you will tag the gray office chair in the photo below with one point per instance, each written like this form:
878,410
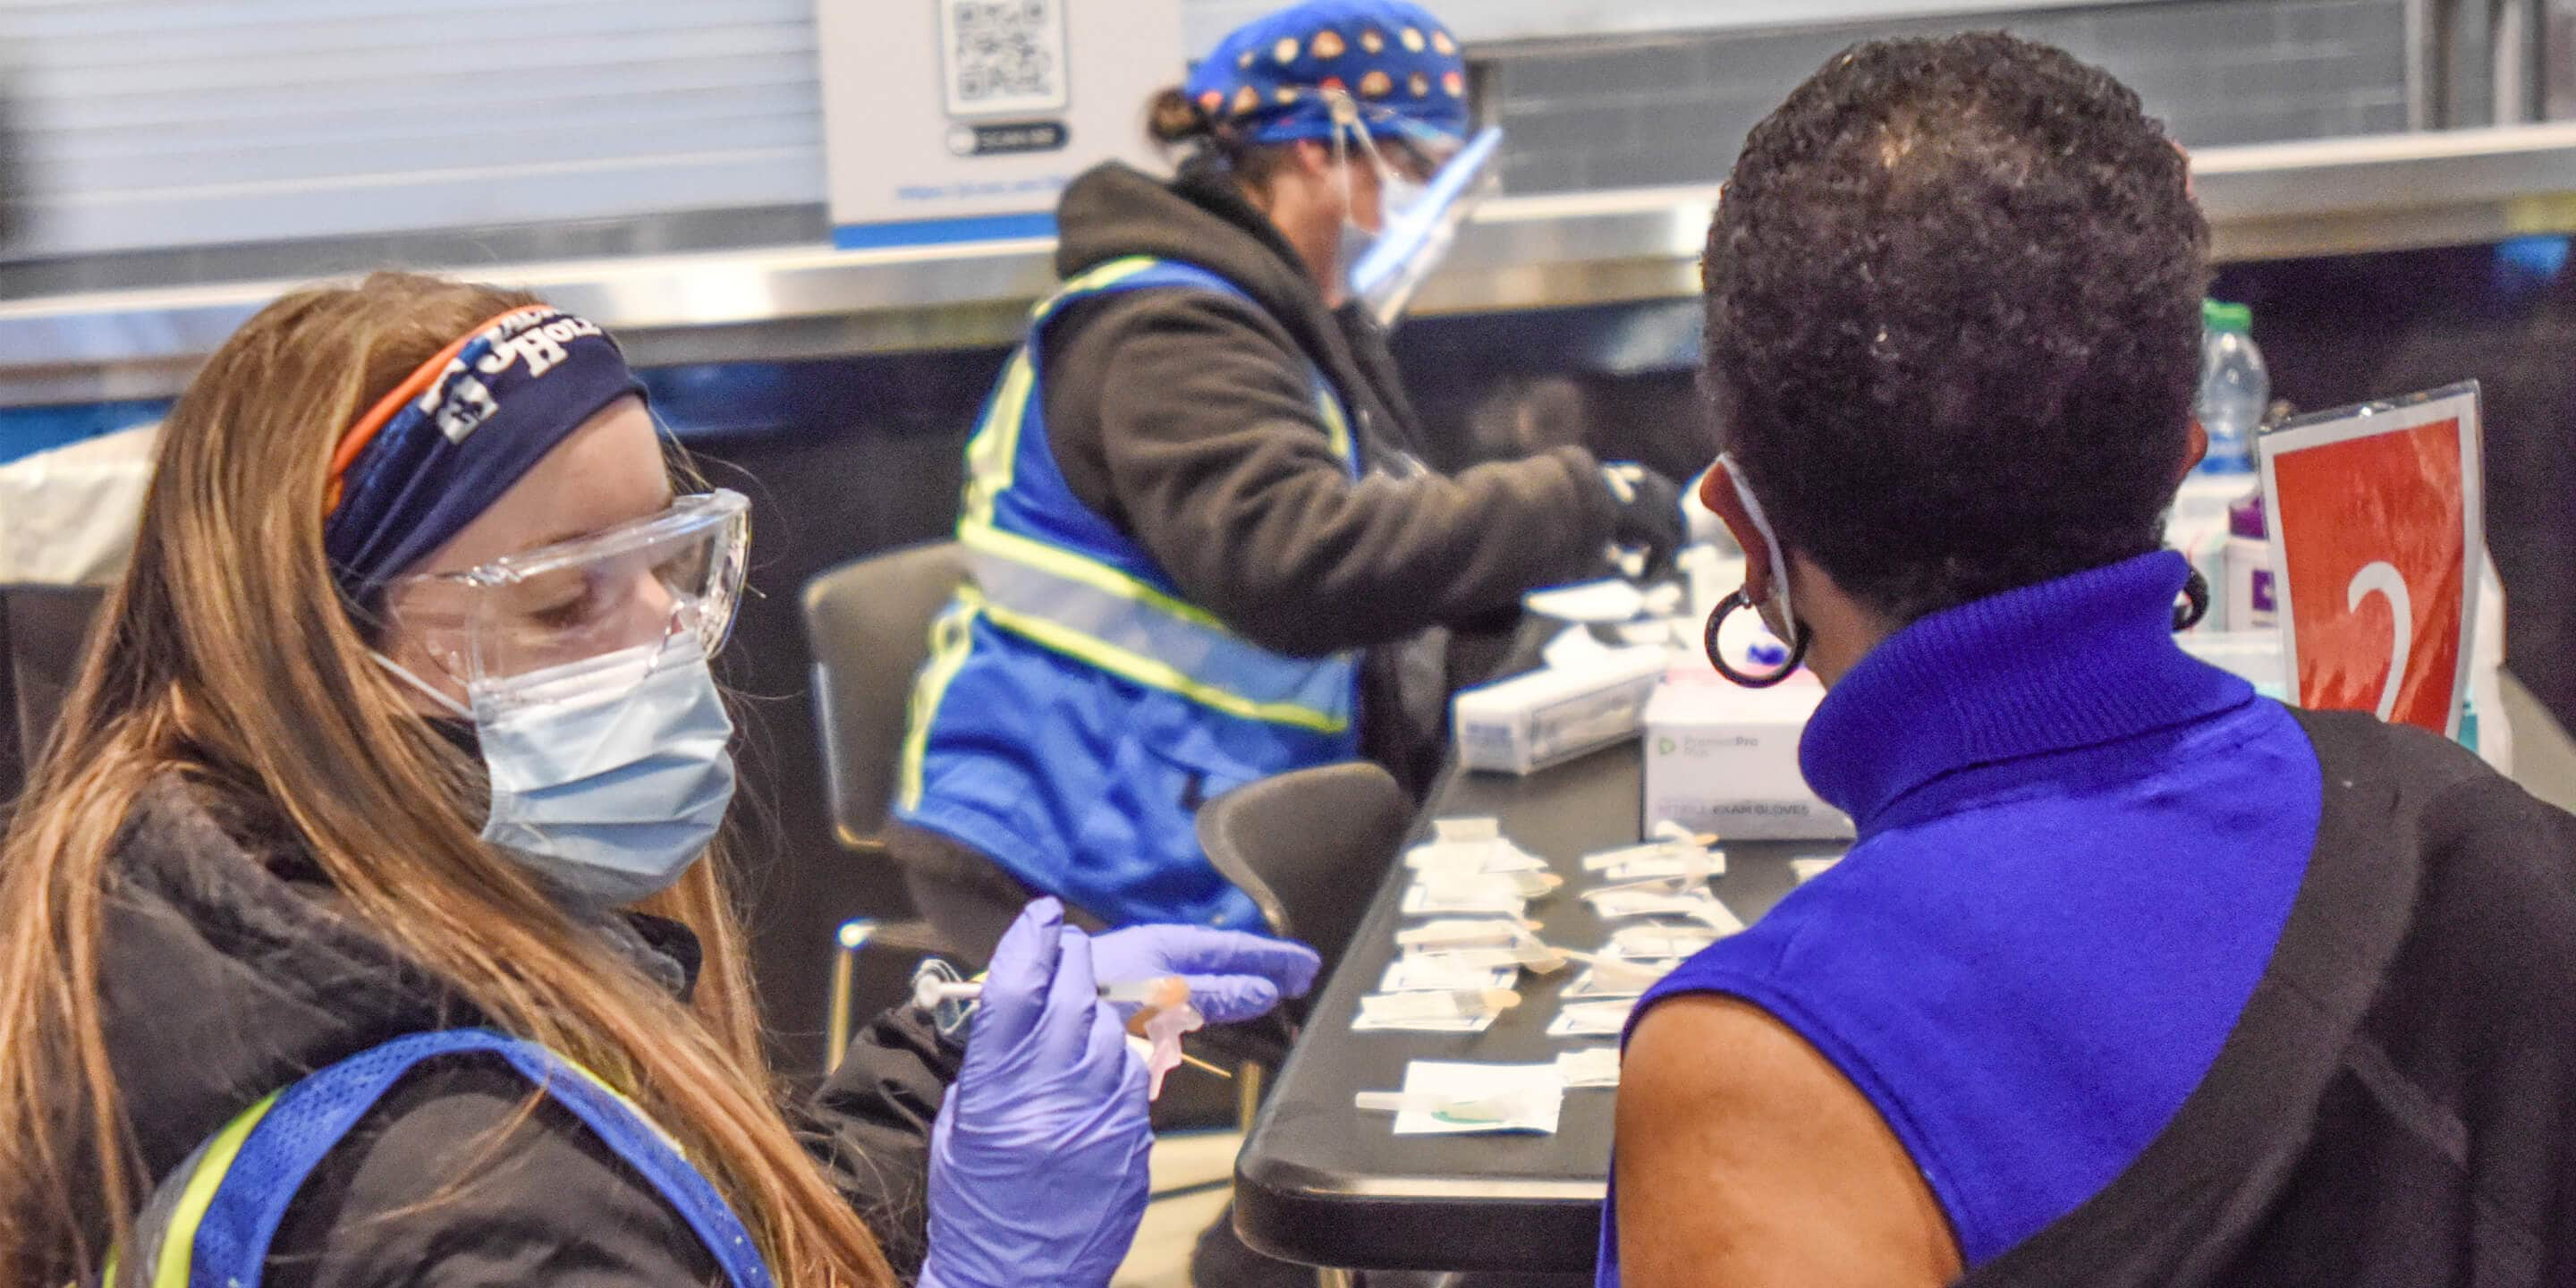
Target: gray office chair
1310,847
868,624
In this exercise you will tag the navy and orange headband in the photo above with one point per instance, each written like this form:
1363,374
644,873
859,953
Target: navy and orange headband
443,445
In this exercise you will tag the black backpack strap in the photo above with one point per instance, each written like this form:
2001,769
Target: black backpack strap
2183,1210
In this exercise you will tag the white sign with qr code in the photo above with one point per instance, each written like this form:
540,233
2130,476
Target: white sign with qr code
955,121
1003,56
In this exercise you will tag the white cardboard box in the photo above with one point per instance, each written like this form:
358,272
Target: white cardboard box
949,121
1724,759
1556,713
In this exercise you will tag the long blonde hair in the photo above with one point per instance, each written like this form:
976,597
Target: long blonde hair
227,654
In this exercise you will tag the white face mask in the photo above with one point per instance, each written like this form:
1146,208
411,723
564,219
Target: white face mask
1777,615
610,776
1397,197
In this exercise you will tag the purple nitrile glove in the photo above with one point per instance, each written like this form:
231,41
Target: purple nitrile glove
1232,976
1038,1160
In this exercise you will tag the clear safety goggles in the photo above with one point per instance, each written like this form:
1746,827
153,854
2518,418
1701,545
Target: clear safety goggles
672,578
1429,183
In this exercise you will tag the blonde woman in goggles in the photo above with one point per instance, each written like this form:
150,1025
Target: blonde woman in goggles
360,926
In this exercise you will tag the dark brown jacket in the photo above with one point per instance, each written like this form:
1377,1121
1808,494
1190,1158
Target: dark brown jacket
1187,419
230,970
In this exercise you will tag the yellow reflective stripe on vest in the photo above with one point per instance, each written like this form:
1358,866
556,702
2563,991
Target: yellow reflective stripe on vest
992,453
1096,614
1154,673
623,1099
1081,568
1337,429
952,636
176,1255
1108,274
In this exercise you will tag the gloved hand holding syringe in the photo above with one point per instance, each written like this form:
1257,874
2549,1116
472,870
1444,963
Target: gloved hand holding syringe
1038,1159
1168,980
1163,1014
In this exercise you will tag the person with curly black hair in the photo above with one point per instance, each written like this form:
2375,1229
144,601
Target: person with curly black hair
2132,975
1959,280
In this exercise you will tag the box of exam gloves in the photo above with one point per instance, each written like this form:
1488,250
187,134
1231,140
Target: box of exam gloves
1558,712
1724,759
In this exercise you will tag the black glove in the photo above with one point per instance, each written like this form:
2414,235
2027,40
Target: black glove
1650,513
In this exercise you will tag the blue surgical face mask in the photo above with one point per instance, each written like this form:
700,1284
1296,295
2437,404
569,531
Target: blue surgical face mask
610,776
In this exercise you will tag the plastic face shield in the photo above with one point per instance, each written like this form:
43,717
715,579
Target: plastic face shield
1429,183
614,597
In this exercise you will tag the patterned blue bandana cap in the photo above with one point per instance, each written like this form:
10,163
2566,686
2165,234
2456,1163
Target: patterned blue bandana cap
448,441
1267,82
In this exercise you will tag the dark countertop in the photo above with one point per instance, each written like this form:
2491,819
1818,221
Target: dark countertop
1322,1183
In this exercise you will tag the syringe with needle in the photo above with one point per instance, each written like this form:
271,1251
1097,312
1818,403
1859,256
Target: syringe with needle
1169,990
930,992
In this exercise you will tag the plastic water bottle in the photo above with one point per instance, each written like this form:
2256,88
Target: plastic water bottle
2234,387
2235,390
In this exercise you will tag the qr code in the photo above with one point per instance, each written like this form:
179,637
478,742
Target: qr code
1004,56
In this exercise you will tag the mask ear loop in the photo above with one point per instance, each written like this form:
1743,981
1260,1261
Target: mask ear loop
1770,536
427,690
1717,657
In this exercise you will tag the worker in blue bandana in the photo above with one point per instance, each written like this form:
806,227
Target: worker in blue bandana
1204,547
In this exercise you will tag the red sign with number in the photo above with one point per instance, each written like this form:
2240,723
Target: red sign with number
2377,532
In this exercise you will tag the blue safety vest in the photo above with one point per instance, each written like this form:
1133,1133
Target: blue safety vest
1076,709
210,1223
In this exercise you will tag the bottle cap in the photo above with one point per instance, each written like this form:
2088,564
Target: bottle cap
2234,319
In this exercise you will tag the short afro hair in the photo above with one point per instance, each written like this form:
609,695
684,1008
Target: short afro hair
1953,294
